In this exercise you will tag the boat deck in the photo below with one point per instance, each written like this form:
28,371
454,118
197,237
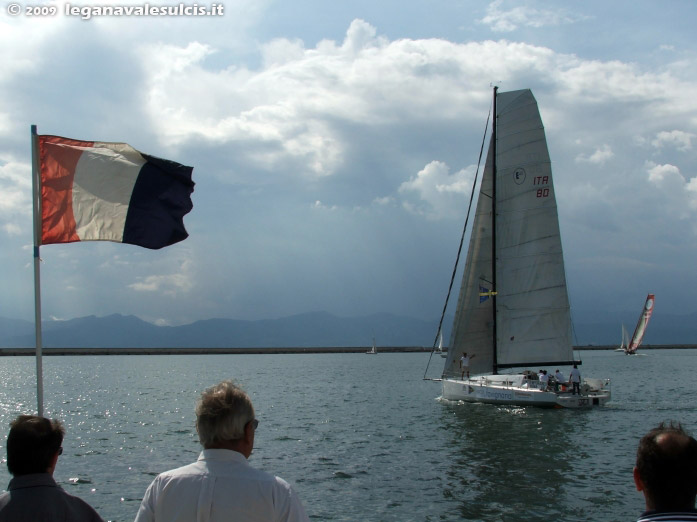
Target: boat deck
523,391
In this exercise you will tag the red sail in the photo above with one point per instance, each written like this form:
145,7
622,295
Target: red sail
641,325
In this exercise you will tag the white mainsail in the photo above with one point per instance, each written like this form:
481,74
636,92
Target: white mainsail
625,339
532,325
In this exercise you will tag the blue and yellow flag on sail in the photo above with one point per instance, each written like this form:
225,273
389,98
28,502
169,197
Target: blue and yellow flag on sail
484,293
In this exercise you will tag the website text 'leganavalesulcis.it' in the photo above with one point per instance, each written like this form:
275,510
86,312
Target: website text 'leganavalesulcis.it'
86,12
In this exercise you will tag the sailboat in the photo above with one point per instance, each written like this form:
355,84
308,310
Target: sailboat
625,340
374,348
442,351
513,307
631,347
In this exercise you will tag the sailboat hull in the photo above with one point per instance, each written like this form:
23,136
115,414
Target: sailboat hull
516,390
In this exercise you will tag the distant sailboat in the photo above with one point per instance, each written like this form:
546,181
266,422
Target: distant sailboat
443,352
625,340
631,347
374,348
513,309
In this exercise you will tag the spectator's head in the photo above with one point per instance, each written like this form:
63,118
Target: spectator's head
33,445
666,468
225,418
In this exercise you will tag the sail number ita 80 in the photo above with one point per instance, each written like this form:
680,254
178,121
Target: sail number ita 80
542,192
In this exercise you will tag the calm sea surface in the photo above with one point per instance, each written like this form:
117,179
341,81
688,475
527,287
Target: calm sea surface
360,437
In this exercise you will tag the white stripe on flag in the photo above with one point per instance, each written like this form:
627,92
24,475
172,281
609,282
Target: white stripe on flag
104,179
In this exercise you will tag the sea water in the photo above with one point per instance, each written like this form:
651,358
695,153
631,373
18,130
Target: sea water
360,437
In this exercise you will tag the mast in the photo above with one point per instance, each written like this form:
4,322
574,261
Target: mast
493,234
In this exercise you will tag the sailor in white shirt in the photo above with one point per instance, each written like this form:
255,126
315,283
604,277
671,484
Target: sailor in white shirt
221,485
465,365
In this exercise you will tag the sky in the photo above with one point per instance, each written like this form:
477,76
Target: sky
334,146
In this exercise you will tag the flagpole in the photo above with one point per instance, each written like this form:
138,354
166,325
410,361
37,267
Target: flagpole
36,199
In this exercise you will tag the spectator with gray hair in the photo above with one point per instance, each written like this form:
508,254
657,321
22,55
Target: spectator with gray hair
221,485
666,473
33,447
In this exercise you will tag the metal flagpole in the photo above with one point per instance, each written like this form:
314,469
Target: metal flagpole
36,199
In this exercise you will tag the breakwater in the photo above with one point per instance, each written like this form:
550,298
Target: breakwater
18,352
8,352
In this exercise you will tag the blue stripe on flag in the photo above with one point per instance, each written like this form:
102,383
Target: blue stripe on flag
161,198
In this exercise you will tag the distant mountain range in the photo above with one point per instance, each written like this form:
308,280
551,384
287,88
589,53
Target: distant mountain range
315,329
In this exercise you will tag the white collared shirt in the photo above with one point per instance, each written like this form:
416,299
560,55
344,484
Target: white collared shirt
220,486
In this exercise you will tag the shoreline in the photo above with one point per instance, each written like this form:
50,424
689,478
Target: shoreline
25,352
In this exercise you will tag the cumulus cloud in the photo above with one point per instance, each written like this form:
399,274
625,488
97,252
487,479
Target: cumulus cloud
669,179
384,201
439,193
270,109
167,284
15,203
291,114
677,139
507,20
12,229
23,58
599,157
299,113
319,205
4,123
661,174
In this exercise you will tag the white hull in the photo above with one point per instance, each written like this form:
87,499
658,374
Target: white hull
516,390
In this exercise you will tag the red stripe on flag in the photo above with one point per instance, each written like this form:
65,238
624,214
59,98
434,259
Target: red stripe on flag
58,159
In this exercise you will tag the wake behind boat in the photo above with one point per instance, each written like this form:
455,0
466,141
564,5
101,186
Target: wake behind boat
513,309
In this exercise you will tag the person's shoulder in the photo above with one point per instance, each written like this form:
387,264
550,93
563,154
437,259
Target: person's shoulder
193,468
80,509
673,516
264,476
186,468
281,482
261,476
89,514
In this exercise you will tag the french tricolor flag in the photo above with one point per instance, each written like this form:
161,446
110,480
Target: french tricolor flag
99,191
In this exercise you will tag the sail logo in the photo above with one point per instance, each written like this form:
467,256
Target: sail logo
519,176
484,293
499,395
